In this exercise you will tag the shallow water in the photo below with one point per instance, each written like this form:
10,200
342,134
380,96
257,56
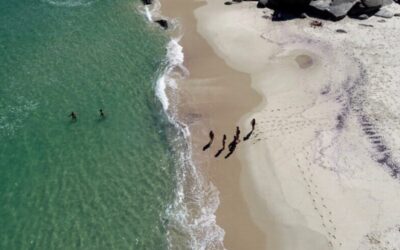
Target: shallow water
95,183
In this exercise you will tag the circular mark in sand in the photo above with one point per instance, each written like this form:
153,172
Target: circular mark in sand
304,61
69,3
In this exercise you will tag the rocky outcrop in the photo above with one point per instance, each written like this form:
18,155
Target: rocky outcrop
289,4
332,9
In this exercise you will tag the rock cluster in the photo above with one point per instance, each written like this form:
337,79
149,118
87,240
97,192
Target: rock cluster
333,9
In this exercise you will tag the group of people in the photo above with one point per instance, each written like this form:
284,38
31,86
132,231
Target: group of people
232,145
74,116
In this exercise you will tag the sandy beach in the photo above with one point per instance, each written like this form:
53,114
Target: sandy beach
208,100
321,169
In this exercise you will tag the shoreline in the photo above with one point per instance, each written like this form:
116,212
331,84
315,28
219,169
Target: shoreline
321,170
208,101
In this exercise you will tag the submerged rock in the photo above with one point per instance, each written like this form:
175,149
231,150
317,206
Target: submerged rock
163,23
147,2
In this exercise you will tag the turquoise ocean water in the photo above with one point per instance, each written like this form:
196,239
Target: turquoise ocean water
90,184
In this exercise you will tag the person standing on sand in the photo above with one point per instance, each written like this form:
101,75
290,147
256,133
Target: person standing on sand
232,146
223,146
237,134
233,142
223,141
253,124
73,116
211,135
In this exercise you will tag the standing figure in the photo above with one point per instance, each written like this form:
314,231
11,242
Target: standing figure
237,135
211,135
223,146
253,124
232,146
223,141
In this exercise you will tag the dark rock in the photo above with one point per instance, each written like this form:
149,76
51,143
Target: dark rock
228,3
362,17
397,15
147,2
163,23
362,12
289,4
332,9
341,31
262,4
284,15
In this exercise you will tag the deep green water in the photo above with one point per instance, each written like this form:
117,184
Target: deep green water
92,184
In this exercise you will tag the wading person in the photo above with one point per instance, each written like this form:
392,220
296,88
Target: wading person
73,116
102,115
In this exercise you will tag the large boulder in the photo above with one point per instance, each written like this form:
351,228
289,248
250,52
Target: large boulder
362,11
385,13
289,4
376,3
335,9
262,3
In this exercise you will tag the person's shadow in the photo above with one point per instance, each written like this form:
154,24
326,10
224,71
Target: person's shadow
248,135
219,152
232,147
230,153
207,146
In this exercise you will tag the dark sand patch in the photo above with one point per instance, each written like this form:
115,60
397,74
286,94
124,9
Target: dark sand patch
304,61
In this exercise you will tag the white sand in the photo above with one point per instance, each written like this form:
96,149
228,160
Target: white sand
311,173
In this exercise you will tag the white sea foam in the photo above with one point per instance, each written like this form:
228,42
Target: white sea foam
192,222
70,3
148,14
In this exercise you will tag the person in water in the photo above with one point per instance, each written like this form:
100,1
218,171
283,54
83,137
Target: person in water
102,115
73,116
211,135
